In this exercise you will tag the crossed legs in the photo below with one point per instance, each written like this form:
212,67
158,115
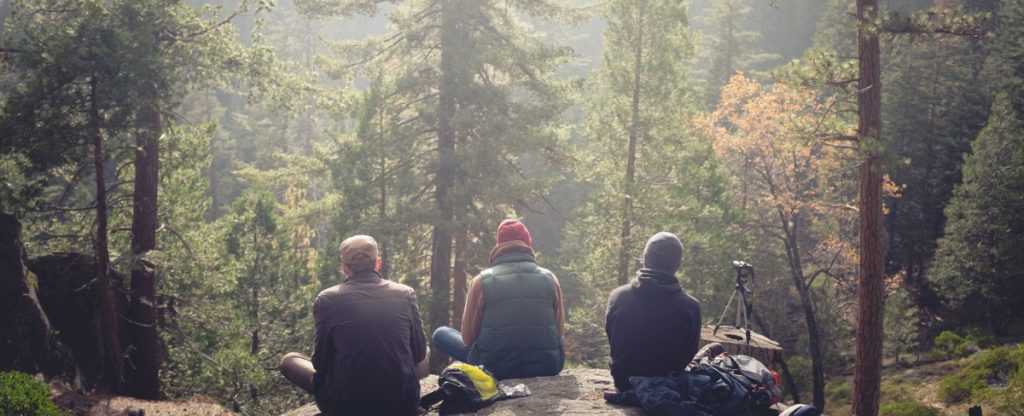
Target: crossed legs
298,369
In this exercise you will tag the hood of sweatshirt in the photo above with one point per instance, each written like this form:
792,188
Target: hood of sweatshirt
651,282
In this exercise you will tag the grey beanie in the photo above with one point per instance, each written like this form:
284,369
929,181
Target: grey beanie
663,252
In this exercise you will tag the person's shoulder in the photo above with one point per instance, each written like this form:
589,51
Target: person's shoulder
399,287
688,299
327,295
331,291
624,290
545,272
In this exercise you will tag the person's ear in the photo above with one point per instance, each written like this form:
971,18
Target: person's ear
344,269
377,267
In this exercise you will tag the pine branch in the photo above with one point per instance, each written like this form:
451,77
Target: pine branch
954,21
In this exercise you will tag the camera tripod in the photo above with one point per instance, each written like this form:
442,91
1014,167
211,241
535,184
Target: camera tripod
743,270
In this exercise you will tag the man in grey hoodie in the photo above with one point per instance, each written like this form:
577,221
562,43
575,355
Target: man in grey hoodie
653,326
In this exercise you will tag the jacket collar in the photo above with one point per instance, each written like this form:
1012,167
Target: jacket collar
652,282
365,274
522,252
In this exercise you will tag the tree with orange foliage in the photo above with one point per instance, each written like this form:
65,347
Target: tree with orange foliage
797,190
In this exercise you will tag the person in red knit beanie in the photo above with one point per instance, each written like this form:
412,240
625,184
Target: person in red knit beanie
520,333
513,230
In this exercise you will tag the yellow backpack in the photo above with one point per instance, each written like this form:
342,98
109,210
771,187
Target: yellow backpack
462,388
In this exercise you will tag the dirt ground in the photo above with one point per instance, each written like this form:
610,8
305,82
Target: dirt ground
101,404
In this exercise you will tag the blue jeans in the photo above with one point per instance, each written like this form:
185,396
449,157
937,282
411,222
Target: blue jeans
449,341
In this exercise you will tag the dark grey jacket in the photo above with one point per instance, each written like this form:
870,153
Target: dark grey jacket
653,327
369,337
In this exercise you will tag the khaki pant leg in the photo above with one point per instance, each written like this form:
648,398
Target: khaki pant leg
298,369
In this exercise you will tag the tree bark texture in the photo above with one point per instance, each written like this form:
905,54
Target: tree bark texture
385,267
634,132
459,279
145,357
868,365
444,181
113,370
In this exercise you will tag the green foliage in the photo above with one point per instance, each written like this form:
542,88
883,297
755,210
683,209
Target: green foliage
728,47
935,101
1012,402
974,383
838,392
800,369
978,259
908,408
896,389
949,344
78,56
20,394
900,324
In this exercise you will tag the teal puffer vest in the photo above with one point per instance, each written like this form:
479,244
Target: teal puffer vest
518,337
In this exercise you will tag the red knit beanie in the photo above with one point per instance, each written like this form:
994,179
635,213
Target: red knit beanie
513,230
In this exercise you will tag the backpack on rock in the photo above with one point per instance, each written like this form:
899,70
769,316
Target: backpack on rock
465,388
762,383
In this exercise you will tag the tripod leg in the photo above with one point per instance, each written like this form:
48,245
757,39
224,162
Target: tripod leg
739,311
723,313
746,313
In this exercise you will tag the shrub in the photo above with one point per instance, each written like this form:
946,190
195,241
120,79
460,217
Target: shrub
800,370
1012,402
20,394
974,381
838,391
949,344
895,389
909,408
954,389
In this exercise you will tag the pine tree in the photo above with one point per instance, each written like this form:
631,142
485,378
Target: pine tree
729,48
978,258
136,56
641,100
900,323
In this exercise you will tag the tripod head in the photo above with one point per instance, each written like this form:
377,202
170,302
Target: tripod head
743,272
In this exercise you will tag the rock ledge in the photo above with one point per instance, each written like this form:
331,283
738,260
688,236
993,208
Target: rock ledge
575,391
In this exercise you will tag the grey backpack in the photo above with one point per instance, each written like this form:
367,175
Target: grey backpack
762,383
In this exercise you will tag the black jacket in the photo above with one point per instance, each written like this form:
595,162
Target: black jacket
653,327
369,337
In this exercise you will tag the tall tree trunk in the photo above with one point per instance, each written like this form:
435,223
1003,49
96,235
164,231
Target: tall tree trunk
796,267
634,132
113,370
146,354
214,180
307,148
868,365
459,279
383,213
254,344
254,317
444,182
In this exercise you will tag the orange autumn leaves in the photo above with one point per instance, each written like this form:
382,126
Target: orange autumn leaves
794,183
770,139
